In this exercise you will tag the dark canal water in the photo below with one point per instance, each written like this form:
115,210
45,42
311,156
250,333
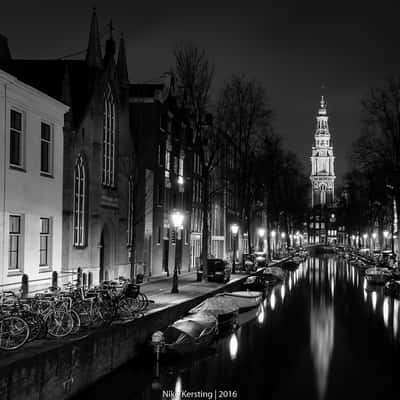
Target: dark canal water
323,334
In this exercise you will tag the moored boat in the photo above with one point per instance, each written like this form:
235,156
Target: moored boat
274,274
221,308
376,275
255,283
190,333
244,300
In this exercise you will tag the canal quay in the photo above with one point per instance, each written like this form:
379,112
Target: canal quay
323,334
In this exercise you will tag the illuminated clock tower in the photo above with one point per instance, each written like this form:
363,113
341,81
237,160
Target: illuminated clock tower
322,162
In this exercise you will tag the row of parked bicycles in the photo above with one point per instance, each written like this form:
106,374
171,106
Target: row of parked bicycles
62,312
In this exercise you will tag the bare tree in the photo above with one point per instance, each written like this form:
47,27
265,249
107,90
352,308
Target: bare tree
194,73
243,113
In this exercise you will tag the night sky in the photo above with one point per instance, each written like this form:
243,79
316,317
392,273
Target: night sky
292,48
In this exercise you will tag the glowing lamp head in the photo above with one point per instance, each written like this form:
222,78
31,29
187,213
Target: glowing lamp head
273,234
365,236
353,237
261,232
283,235
180,180
177,219
374,235
234,229
385,234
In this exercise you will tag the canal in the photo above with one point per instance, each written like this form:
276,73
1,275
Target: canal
323,334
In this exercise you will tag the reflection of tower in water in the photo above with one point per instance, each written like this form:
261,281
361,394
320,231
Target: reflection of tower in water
322,323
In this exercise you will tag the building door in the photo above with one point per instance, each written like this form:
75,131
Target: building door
105,256
165,255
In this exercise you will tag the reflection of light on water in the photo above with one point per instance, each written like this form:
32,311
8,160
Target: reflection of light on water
365,284
395,317
272,300
385,311
332,287
290,283
261,315
265,302
374,298
283,292
178,388
233,346
322,340
365,295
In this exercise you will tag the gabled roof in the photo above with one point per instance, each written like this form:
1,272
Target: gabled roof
48,76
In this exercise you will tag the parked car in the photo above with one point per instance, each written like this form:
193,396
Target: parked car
218,270
260,259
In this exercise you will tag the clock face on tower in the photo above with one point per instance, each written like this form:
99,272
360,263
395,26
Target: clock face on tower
322,161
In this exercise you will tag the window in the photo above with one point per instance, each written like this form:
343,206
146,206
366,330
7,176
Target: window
168,149
131,211
16,139
180,170
108,176
79,213
46,149
159,194
15,243
45,242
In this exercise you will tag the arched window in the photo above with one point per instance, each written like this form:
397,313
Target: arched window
108,174
322,189
79,220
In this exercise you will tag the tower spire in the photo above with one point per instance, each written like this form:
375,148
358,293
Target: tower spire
93,53
110,45
122,68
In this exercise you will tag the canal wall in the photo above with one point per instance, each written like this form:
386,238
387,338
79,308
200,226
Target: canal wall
57,370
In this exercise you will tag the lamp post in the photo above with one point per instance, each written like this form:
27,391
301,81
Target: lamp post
365,237
385,235
261,234
234,230
374,241
273,234
283,235
177,221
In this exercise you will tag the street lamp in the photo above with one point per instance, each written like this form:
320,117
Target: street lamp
177,220
365,237
386,235
261,234
273,234
234,230
374,239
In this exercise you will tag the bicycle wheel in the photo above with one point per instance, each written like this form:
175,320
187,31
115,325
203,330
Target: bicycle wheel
128,307
14,332
59,323
144,301
77,322
35,322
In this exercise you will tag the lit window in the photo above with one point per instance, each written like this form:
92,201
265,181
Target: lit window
15,243
46,149
45,242
16,139
108,176
79,219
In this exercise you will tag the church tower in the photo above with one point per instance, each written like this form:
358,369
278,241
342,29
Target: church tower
322,162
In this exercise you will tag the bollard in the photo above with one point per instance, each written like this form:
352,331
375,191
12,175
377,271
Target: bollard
54,280
90,280
24,285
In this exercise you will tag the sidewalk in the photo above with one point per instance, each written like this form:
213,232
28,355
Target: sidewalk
159,291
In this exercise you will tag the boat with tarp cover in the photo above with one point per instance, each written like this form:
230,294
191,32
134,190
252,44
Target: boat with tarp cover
191,333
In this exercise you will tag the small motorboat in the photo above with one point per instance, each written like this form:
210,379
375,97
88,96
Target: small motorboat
377,276
190,333
244,300
392,288
290,265
255,283
274,274
221,308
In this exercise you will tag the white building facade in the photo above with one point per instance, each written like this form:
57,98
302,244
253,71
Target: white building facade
31,184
